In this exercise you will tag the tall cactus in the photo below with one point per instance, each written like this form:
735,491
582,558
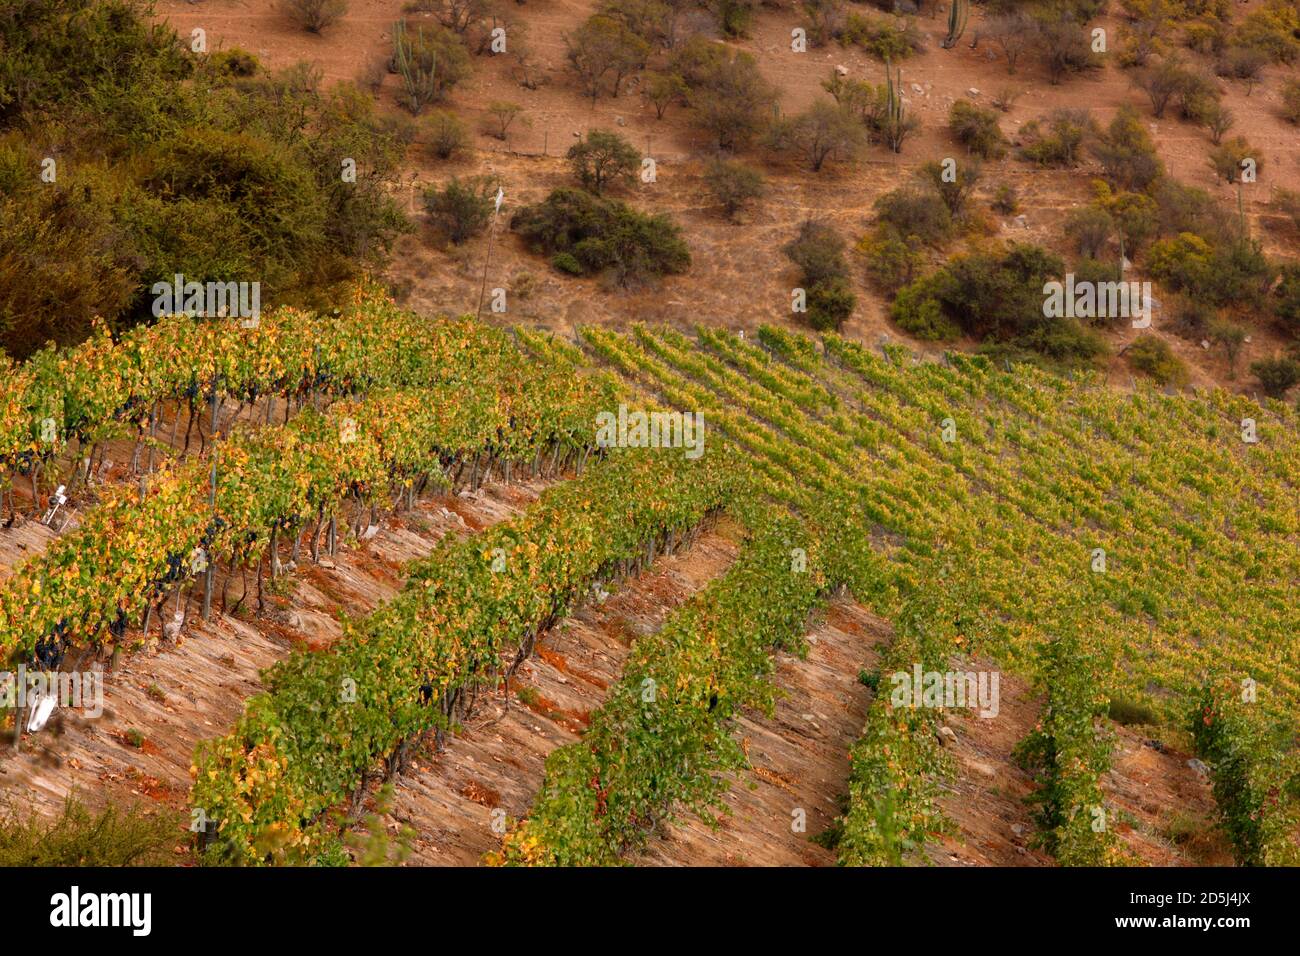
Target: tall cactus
417,66
958,14
897,123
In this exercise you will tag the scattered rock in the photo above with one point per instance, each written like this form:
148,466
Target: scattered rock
1022,221
619,121
1246,340
983,769
1199,766
1205,343
1124,264
917,88
973,91
1157,746
1018,829
841,70
947,736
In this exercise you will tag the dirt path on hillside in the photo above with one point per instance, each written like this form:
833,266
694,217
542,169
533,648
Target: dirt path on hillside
495,763
799,757
160,701
1161,807
986,798
1164,806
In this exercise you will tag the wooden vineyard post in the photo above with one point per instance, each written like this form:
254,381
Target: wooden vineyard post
487,259
208,569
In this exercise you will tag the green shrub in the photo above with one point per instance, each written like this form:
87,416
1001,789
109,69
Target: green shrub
918,312
1231,335
1253,768
1153,357
818,251
1183,208
602,158
1135,217
915,215
1061,144
1273,30
234,62
1276,375
977,129
603,234
891,261
461,209
1225,272
1286,301
1181,262
232,177
998,297
822,132
734,16
81,837
1242,63
1090,229
1005,200
1126,152
830,302
733,184
728,96
888,38
567,262
1131,712
313,15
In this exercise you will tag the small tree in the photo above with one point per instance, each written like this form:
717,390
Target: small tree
825,20
314,15
503,116
731,100
733,184
1091,228
461,209
1012,32
822,131
1229,158
447,134
459,15
602,47
1242,63
662,90
1232,337
602,158
1161,83
1291,101
1218,120
953,185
